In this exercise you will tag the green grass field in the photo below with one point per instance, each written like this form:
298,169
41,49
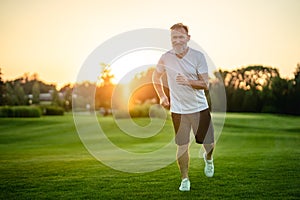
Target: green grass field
257,157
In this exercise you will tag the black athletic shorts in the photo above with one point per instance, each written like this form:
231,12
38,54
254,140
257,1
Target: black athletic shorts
201,124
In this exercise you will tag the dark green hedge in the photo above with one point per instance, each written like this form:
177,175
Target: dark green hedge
143,110
30,111
20,111
52,110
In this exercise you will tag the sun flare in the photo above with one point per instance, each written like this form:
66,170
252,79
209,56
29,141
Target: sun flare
126,66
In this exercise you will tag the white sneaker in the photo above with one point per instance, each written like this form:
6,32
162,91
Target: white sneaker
185,185
209,166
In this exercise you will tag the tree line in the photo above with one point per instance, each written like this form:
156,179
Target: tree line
27,90
260,89
257,89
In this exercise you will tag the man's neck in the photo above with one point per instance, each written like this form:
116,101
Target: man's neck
181,55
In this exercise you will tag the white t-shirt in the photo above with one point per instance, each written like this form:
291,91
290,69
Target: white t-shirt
184,99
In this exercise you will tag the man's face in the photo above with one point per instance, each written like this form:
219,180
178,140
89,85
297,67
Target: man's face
179,39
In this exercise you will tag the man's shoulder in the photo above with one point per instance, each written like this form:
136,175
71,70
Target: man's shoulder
195,51
169,53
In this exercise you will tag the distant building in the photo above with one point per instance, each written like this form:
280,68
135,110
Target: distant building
46,98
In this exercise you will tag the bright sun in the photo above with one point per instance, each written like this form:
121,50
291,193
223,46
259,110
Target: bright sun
126,66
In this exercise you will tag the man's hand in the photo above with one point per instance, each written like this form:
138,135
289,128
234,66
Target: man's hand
164,101
182,80
200,84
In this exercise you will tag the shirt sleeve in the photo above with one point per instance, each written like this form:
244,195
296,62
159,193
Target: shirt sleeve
202,67
160,67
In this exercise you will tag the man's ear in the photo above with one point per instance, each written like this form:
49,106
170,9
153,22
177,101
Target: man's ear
189,37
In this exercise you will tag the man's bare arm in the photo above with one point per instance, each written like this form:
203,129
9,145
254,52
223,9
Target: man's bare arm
158,86
200,84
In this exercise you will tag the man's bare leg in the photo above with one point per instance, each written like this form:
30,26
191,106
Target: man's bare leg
183,159
209,165
209,148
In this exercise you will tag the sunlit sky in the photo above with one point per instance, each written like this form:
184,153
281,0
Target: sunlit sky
54,37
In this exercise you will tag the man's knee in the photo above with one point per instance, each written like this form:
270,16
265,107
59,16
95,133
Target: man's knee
181,149
210,145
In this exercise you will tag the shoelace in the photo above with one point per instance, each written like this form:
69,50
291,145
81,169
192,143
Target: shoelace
185,182
209,167
185,187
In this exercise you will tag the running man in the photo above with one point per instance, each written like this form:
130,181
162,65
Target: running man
187,75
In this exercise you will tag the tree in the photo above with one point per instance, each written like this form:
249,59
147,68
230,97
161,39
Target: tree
297,74
2,90
83,95
36,93
10,95
141,87
238,100
104,91
55,98
67,91
106,75
215,95
297,90
250,101
246,87
293,97
20,94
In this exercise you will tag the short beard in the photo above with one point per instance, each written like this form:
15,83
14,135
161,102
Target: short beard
180,51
